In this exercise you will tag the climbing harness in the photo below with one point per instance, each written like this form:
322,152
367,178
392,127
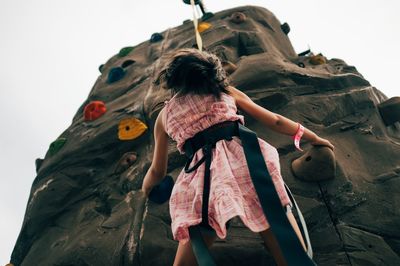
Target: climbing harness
266,192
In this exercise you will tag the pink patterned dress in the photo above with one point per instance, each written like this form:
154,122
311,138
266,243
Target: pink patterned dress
232,192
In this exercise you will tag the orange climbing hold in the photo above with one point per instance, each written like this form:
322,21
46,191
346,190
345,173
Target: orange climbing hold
203,26
94,110
318,59
130,128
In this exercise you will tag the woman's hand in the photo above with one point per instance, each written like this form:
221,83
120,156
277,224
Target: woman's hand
322,142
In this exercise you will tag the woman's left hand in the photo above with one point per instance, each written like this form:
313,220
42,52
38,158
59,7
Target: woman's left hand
323,142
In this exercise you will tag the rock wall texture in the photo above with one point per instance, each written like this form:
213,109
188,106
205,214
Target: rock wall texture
84,207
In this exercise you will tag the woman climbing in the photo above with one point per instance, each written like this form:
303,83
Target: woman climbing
204,102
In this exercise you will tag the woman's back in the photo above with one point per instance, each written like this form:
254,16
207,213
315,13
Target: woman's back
232,192
186,115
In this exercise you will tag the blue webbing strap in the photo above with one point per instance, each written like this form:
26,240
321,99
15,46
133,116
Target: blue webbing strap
287,239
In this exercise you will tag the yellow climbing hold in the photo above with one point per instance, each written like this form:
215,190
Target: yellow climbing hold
318,59
130,128
203,26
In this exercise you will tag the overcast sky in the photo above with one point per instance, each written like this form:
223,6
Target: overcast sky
50,51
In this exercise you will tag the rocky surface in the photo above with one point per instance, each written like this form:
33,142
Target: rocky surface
84,207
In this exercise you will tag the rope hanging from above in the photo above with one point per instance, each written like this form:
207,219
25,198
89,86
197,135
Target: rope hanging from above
196,30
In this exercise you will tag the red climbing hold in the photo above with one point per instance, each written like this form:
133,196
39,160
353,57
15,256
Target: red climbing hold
94,110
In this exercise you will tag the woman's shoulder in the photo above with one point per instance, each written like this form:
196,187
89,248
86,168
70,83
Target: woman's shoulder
228,97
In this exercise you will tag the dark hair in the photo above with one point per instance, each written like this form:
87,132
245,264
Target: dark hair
189,70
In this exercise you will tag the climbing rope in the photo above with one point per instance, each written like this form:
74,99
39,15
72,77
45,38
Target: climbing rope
196,30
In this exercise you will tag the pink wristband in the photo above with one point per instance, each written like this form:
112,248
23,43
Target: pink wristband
297,136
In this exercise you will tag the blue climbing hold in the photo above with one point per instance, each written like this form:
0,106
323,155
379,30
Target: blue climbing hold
207,15
285,28
155,37
162,192
115,74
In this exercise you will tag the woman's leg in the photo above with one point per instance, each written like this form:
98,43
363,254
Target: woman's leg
185,256
296,228
272,244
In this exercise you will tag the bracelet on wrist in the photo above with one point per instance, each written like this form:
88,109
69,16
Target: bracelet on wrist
297,136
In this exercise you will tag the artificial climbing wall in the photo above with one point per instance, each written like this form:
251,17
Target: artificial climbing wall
84,207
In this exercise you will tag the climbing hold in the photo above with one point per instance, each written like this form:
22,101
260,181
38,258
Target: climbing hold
125,51
207,15
238,17
390,110
130,128
115,74
55,146
127,63
317,164
162,192
301,64
125,162
229,67
155,37
94,110
318,59
285,28
196,2
304,53
186,21
101,68
38,163
203,26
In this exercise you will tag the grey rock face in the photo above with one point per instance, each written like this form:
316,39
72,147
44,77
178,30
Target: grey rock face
84,207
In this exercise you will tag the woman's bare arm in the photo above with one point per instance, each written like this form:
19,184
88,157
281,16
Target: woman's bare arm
158,168
272,120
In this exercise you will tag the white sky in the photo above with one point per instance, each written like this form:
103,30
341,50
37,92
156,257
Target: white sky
50,51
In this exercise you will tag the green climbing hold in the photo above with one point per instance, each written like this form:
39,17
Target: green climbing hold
125,51
55,146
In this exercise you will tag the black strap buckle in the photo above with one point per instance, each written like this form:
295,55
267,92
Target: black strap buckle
206,151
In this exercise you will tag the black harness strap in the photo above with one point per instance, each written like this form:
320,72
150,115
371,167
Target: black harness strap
288,241
266,192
